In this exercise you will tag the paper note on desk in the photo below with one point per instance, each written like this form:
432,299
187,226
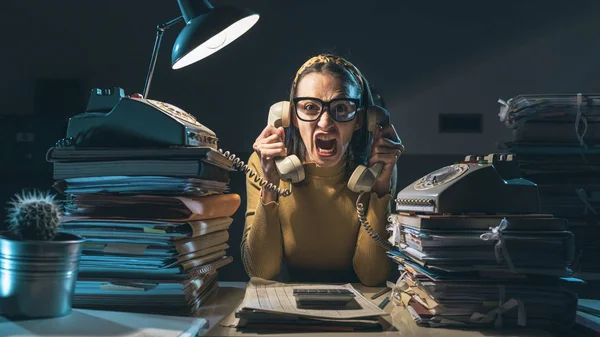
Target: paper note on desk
97,323
275,297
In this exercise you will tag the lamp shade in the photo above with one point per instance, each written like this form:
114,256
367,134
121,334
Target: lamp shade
208,32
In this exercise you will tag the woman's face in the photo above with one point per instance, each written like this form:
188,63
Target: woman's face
325,139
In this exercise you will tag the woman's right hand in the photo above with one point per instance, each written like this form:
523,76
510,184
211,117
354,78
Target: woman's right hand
268,145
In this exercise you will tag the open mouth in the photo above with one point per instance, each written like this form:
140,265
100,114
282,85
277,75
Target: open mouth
326,145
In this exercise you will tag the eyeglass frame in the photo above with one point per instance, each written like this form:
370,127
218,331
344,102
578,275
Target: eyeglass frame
326,104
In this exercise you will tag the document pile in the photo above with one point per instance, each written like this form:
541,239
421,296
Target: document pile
271,305
464,267
155,222
588,314
556,139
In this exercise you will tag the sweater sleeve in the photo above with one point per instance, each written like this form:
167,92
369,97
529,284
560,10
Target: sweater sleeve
261,246
371,263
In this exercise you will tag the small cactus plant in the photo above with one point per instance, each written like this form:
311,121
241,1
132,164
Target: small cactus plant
34,216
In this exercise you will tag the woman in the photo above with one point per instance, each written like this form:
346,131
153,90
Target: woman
315,231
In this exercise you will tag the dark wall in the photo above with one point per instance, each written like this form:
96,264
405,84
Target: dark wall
405,48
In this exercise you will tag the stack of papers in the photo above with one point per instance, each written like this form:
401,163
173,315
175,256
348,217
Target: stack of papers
141,184
182,298
271,305
556,141
568,119
483,270
588,314
532,245
155,223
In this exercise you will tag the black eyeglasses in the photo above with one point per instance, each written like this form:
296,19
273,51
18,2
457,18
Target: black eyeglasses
310,109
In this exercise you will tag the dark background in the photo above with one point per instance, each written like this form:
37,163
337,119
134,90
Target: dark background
439,65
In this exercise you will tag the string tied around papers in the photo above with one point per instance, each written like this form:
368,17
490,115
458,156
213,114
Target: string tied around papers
496,233
396,230
503,114
582,195
579,118
503,306
399,288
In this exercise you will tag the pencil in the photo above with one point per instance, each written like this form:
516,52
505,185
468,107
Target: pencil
381,292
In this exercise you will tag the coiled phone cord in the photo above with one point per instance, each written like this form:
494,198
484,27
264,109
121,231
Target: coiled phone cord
362,217
360,208
241,166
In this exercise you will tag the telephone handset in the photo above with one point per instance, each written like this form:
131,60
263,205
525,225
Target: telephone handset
363,178
290,168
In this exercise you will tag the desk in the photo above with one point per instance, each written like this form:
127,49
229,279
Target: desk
229,297
231,294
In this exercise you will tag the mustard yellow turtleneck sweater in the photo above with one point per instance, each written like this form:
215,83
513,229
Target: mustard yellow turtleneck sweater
315,229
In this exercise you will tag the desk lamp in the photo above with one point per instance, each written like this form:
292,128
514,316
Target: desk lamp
207,29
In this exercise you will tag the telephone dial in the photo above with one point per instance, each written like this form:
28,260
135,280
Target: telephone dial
482,185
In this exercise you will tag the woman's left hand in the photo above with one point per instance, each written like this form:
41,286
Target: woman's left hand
386,149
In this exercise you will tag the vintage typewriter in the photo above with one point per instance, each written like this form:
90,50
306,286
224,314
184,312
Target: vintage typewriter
113,119
477,185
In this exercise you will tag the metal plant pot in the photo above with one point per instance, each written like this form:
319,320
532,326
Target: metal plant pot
37,278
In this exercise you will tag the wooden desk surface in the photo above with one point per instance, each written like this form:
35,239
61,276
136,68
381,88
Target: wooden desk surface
222,307
231,294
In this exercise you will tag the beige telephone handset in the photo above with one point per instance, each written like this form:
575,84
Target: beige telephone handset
363,178
290,168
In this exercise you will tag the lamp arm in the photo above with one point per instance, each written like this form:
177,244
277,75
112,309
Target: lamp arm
160,29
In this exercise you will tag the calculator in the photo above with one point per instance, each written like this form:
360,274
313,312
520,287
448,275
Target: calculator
326,298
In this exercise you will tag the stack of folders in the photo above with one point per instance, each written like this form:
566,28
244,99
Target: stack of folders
483,271
556,139
588,314
155,221
270,306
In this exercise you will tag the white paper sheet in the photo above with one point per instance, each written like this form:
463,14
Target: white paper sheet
275,297
97,323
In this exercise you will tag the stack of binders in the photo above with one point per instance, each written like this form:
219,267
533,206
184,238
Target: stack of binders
490,267
556,139
155,221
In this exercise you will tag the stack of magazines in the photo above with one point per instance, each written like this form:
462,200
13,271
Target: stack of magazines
155,221
556,139
481,270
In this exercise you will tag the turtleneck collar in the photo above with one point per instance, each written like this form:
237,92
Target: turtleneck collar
312,169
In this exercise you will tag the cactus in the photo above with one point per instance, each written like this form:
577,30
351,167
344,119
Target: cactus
34,216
